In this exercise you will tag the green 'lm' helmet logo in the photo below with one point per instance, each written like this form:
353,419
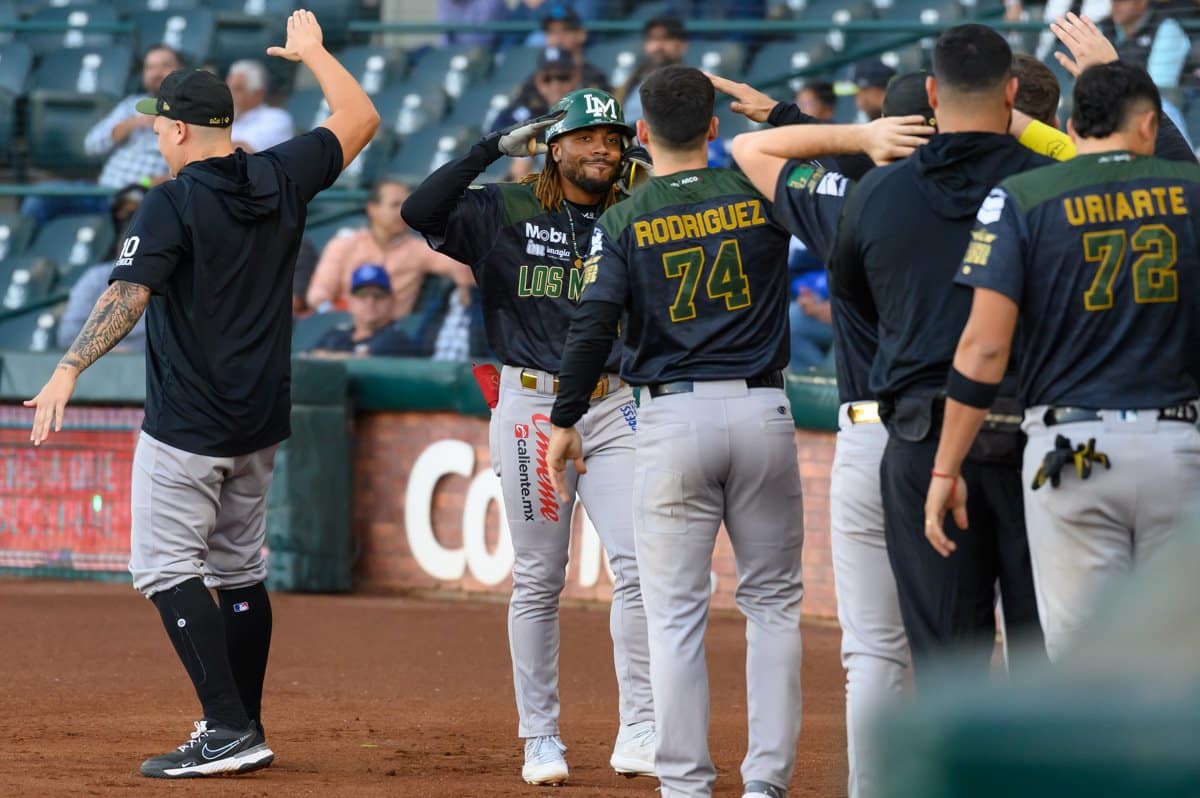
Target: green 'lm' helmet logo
588,108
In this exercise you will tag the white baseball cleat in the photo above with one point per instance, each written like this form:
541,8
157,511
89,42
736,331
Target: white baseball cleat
761,789
544,762
633,754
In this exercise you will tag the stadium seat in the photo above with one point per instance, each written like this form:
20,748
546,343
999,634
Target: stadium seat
822,10
727,59
376,68
16,63
514,66
128,8
647,11
99,71
321,234
426,150
777,59
308,330
928,11
74,241
16,230
731,123
404,109
8,15
189,31
335,17
453,68
497,172
373,160
246,28
308,108
480,105
846,111
33,330
24,280
74,37
617,58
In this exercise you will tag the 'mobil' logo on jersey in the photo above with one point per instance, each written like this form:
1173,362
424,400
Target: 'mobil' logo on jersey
690,226
547,281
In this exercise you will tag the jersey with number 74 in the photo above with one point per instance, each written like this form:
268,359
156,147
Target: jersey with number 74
1101,254
701,269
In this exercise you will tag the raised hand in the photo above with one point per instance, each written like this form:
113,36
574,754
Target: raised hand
747,100
1085,41
521,140
891,138
303,35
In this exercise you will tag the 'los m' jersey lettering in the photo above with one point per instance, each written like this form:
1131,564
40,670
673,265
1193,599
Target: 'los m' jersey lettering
701,268
527,262
1101,254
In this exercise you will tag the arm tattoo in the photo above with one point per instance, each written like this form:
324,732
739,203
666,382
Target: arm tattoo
114,315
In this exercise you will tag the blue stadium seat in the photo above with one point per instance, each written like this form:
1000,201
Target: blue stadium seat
480,105
928,11
781,58
514,66
647,11
74,242
8,15
335,17
427,149
411,106
727,59
101,71
33,330
16,64
454,69
308,109
188,31
16,231
24,280
617,58
77,18
127,8
373,160
308,330
731,123
246,28
375,68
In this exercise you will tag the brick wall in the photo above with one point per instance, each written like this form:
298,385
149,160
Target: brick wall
394,555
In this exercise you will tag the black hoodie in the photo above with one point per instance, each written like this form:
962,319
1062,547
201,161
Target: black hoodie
217,246
900,243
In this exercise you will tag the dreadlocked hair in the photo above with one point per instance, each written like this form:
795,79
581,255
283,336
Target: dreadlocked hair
547,187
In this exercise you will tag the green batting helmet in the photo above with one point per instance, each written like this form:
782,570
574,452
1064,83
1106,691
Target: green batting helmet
588,108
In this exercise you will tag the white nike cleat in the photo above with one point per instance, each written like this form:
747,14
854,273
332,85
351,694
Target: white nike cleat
544,762
633,754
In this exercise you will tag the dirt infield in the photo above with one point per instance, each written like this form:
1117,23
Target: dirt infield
366,696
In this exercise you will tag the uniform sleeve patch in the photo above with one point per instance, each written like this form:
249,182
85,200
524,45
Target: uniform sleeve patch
800,176
992,207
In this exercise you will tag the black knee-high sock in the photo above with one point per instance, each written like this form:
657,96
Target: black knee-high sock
194,625
247,614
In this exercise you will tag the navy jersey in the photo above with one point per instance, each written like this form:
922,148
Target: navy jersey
809,199
527,263
701,268
1102,256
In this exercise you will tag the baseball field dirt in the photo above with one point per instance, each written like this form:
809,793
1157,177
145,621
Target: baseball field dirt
366,696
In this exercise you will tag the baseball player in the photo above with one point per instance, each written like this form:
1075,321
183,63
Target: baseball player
696,262
1096,262
211,254
874,648
525,244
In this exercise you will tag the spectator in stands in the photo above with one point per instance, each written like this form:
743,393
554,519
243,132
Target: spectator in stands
372,330
1038,91
871,76
455,326
92,283
817,99
557,75
664,42
128,139
539,10
564,30
256,125
1092,9
1146,38
475,12
385,240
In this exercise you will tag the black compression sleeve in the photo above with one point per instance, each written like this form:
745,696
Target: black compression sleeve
428,208
590,339
788,114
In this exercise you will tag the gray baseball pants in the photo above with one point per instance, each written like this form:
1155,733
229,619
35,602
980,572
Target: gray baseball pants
1085,534
195,515
720,452
874,646
541,535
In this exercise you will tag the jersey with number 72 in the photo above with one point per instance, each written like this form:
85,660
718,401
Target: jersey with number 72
701,269
1101,254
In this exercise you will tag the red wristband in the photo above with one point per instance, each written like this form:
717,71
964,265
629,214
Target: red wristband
953,477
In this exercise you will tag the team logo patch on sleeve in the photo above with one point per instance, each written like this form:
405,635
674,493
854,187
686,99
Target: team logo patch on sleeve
800,176
591,269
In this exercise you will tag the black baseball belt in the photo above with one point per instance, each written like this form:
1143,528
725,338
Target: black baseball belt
772,379
1185,412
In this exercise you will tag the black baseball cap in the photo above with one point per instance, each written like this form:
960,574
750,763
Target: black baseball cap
193,96
555,58
906,96
872,73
